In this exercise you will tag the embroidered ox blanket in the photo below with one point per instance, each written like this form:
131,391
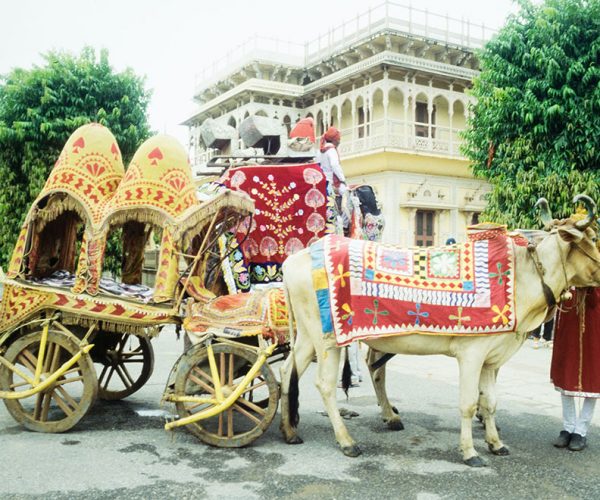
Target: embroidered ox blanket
367,290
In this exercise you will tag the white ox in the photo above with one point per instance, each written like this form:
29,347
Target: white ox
566,256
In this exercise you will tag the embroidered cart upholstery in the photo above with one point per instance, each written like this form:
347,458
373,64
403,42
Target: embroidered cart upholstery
87,195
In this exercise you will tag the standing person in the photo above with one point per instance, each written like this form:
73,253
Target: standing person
575,370
329,159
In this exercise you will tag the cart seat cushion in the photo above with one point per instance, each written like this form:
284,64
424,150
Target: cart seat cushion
65,279
261,312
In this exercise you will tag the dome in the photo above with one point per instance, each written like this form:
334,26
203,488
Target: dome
88,171
158,183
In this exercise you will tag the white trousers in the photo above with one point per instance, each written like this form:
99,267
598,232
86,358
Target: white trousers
573,423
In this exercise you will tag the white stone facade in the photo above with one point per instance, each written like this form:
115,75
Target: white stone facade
395,86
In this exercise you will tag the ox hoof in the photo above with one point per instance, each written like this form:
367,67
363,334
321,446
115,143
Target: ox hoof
501,452
351,451
395,425
475,461
294,440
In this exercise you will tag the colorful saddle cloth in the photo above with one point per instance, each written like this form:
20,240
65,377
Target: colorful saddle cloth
366,290
261,312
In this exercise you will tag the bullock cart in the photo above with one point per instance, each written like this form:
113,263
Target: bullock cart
67,333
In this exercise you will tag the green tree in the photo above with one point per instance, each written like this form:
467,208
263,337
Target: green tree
41,107
535,129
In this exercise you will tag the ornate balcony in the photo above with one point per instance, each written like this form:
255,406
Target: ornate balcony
400,135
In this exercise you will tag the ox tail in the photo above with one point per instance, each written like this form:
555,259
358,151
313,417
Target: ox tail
293,398
294,390
346,373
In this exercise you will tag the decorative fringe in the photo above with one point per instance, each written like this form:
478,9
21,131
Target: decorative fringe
110,326
57,206
146,215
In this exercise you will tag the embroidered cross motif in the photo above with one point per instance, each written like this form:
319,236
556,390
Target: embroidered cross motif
501,315
500,273
418,314
460,318
349,314
341,275
375,311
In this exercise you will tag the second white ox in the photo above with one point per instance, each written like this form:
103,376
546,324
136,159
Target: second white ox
565,256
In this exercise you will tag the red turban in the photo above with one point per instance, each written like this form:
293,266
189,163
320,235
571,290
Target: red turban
330,135
304,128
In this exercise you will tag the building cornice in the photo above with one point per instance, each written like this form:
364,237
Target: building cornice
393,59
288,90
301,91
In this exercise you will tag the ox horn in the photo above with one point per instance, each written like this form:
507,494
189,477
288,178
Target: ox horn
590,206
545,213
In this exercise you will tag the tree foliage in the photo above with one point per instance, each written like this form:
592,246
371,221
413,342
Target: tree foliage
41,107
535,129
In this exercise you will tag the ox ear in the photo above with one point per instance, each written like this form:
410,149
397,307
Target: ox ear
570,234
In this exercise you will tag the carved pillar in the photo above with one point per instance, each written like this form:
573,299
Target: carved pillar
412,216
430,114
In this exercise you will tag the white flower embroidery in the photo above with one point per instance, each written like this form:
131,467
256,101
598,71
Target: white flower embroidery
444,264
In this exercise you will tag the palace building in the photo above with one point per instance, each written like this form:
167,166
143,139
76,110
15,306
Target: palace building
395,81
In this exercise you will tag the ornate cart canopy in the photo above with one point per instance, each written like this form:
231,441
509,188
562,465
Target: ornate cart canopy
158,186
85,176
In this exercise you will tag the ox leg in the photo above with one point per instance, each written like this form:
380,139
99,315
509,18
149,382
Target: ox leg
388,412
469,381
327,372
487,406
297,361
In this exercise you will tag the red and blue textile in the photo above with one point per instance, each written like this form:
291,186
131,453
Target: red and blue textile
366,290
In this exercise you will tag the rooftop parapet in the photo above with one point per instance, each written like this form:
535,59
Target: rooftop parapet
388,16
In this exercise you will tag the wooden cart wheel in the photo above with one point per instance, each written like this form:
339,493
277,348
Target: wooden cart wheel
125,363
243,422
62,404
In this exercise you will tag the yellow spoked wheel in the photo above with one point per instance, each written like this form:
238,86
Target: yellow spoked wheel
63,403
124,362
248,417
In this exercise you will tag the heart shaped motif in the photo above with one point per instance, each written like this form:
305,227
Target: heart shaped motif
78,144
154,155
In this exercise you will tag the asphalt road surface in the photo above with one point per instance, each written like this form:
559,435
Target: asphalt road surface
120,450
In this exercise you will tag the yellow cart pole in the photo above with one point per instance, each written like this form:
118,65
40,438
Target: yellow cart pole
228,401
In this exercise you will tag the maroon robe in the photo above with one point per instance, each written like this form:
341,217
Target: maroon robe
575,369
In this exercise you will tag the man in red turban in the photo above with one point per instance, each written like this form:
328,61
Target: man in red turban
329,159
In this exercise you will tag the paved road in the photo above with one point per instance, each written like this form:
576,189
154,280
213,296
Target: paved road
121,451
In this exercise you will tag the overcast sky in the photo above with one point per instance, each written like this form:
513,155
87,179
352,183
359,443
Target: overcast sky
172,41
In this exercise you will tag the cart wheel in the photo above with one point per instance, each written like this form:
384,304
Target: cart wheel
244,421
125,363
64,403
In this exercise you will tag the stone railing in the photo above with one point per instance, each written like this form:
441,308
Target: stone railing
398,134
